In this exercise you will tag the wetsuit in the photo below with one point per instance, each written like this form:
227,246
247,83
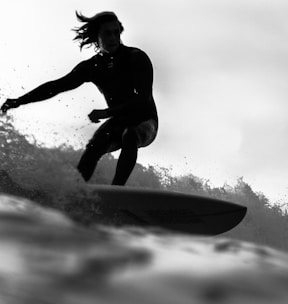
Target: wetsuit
125,79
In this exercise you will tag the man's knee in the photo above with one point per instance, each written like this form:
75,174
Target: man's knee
99,139
130,135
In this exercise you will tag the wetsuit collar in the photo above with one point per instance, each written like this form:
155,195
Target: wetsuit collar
106,55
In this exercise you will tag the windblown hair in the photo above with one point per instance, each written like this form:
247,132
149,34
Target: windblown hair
87,34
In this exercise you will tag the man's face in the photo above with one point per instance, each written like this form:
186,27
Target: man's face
109,37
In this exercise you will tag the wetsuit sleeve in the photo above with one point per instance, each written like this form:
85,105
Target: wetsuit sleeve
50,89
142,100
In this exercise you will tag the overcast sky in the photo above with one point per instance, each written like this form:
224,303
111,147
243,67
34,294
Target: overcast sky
221,71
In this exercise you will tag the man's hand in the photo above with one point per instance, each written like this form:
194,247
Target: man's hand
10,104
96,115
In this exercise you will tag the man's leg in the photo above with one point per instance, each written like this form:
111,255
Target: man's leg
127,158
89,160
95,149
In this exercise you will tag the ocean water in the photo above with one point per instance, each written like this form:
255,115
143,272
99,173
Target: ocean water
47,258
55,249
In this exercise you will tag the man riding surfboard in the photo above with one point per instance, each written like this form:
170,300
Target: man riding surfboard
124,75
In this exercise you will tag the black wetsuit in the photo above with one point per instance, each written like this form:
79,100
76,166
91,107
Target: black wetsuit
125,79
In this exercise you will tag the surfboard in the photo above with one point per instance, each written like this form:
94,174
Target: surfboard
174,211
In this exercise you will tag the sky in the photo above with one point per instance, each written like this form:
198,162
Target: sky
220,81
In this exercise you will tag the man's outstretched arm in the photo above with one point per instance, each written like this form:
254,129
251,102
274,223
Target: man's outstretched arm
49,89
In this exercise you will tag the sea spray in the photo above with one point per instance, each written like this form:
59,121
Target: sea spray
49,177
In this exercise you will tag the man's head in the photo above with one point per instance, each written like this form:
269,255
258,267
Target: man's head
102,30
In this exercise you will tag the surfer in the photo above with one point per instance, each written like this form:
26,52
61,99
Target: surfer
124,75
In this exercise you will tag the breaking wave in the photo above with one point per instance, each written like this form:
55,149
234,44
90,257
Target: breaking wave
49,177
